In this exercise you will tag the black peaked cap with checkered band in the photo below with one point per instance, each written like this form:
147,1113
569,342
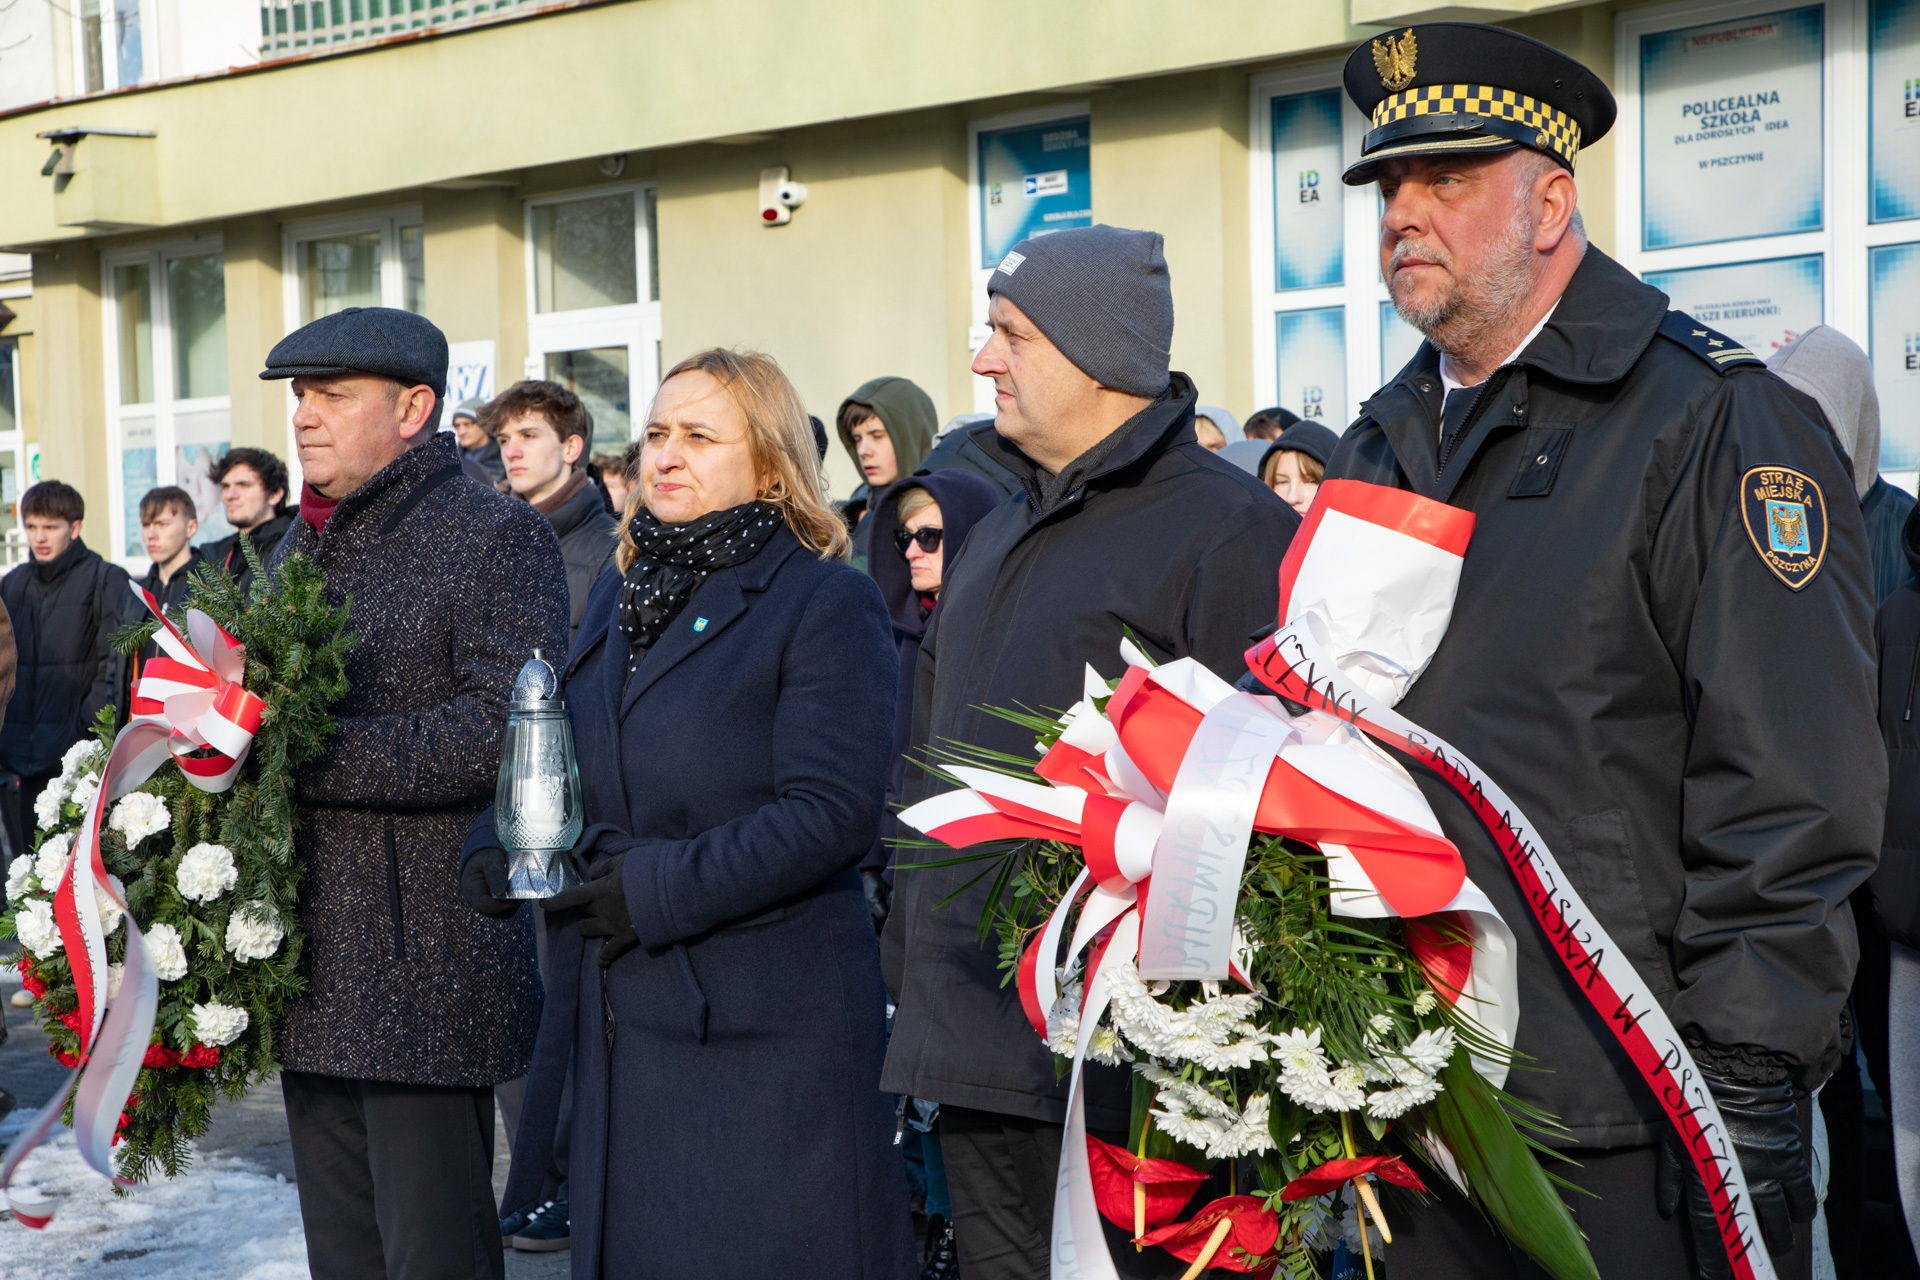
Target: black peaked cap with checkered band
1461,86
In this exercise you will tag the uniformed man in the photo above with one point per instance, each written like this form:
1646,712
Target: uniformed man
1662,644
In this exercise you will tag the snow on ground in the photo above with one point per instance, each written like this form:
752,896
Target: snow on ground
221,1220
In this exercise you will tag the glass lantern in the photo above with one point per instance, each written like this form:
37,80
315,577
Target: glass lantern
536,806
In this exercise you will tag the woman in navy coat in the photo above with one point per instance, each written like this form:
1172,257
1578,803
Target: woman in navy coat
716,977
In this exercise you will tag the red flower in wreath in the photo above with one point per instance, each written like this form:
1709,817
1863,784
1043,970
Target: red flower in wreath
71,1020
1165,1185
1227,1234
62,1057
160,1058
1335,1174
201,1055
34,986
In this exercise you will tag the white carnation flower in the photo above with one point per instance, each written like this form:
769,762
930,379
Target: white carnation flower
206,872
84,790
115,972
46,805
78,756
218,1024
18,873
36,929
138,816
253,933
110,913
165,954
51,862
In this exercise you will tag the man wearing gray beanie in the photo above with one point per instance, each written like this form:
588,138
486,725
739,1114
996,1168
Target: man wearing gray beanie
1127,526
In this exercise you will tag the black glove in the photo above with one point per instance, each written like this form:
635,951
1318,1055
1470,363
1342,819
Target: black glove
483,884
1764,1131
602,906
879,896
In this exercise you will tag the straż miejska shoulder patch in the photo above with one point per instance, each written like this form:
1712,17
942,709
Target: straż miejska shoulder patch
1786,518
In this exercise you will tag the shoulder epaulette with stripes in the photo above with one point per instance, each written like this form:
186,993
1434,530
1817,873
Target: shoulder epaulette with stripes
1716,348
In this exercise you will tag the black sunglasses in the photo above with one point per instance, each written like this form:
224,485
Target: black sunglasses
928,538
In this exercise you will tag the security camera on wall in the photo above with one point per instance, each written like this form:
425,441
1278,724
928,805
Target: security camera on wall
780,195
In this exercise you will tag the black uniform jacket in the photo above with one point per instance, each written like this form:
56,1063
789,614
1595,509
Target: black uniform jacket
1161,537
1694,738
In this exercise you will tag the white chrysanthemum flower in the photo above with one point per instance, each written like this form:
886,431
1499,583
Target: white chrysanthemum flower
84,791
1424,1003
110,913
1247,1136
1332,1091
1391,1104
46,805
218,1024
1350,1229
1379,1024
51,862
1063,1022
206,872
115,972
165,954
253,932
1297,1050
1427,1054
36,929
138,816
18,873
1106,1048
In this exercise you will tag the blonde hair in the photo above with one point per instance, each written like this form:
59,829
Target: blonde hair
780,442
913,501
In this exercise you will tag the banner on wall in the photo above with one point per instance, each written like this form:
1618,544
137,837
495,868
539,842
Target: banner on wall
1761,305
1310,361
1893,315
1033,180
1732,129
470,376
1307,235
1398,341
1893,161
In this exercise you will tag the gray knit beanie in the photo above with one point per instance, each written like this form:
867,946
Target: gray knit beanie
1100,294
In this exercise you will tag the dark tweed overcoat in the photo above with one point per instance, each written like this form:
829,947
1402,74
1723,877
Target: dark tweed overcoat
453,586
731,1121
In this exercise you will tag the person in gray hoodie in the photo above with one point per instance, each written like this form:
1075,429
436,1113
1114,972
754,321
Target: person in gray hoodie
1830,367
886,427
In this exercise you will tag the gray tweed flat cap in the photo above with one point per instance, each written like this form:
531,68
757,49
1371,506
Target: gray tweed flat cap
384,341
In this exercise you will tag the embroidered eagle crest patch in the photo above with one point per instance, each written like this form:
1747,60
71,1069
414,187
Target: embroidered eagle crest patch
1786,518
1393,59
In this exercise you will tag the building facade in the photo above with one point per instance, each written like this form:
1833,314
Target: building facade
577,192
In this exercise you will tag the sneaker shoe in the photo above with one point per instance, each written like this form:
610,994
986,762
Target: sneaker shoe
516,1221
21,999
943,1257
547,1231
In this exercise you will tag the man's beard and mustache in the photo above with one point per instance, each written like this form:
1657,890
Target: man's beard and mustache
1476,306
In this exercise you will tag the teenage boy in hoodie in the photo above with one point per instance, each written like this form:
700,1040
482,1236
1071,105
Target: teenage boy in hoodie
886,426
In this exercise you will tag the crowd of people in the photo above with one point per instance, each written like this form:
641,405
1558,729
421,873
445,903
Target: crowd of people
746,1038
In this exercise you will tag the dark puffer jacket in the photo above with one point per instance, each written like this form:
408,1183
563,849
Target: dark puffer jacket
265,538
453,588
65,612
588,534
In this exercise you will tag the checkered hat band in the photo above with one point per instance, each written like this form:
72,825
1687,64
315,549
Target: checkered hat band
1561,133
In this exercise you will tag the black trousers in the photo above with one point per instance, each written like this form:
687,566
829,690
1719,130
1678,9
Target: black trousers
395,1180
1000,1173
1448,1239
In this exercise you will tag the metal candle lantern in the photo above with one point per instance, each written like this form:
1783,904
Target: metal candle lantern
536,807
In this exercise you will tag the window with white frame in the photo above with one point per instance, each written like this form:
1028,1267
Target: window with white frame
373,259
1325,334
168,412
107,50
1769,178
593,300
1029,174
13,471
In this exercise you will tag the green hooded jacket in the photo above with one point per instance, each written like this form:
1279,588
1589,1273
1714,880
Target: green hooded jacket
908,414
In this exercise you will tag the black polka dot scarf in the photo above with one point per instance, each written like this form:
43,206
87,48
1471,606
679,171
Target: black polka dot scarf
676,558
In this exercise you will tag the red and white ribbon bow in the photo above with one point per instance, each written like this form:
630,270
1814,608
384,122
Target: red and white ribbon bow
189,707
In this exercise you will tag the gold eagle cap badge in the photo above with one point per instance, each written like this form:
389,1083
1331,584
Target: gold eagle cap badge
1393,59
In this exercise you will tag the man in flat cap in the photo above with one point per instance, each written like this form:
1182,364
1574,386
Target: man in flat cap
415,1006
1123,523
1662,648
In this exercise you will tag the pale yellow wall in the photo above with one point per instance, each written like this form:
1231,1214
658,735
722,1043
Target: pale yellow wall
256,319
476,271
1587,34
71,401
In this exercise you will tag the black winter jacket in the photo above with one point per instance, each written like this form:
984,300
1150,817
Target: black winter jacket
1896,631
588,534
65,612
169,595
1692,735
453,588
1160,537
226,552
